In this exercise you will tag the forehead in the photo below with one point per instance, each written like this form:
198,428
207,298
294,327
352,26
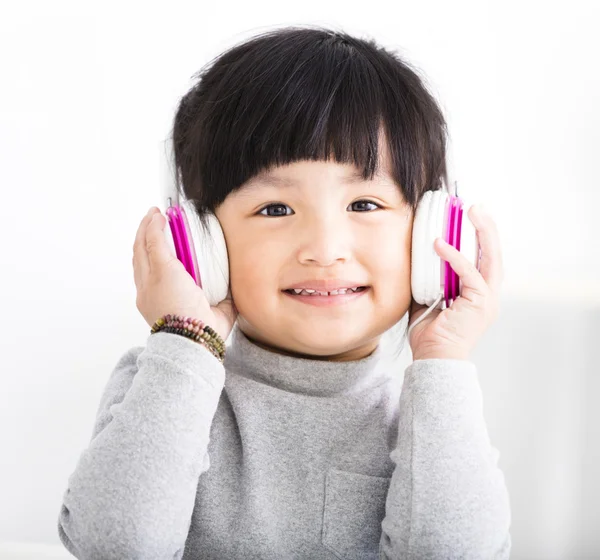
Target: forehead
297,173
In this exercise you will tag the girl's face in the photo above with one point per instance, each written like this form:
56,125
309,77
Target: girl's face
321,225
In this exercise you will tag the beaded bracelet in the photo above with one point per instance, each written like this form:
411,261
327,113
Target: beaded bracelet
195,329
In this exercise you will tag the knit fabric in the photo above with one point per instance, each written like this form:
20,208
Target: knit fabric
275,457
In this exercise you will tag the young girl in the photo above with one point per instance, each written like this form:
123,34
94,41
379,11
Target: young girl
313,149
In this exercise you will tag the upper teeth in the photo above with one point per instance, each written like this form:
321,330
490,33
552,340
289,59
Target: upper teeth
318,293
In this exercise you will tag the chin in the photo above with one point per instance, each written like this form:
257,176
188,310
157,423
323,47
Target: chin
307,338
312,341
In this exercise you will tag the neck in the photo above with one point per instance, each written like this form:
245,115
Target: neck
356,353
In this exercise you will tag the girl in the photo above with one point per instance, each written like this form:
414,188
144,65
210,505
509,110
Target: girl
313,149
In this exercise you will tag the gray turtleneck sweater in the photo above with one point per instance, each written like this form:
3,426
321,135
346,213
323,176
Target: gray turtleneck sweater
275,457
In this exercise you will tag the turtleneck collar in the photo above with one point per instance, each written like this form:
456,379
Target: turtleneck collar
306,376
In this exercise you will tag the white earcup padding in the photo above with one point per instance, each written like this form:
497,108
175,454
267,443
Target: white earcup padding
211,254
426,264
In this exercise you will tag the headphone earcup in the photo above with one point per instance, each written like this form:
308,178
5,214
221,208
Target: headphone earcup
431,221
426,265
211,254
205,255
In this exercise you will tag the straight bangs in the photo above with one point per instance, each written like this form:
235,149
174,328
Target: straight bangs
302,93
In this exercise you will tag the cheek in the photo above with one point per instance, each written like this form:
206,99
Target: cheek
392,267
394,254
249,269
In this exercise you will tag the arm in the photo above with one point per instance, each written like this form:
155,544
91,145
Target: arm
133,491
447,497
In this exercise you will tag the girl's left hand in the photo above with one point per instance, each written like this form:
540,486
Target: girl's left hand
452,333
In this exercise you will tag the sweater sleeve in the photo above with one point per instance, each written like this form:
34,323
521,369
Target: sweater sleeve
447,497
133,491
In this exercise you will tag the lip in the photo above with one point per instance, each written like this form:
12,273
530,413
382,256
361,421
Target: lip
328,301
325,285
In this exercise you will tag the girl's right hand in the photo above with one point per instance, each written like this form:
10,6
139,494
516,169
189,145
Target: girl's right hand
164,286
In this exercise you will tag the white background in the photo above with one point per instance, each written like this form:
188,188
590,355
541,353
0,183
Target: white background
88,89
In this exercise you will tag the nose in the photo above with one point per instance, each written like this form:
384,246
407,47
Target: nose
325,240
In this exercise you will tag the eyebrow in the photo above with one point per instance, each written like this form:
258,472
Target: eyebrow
266,179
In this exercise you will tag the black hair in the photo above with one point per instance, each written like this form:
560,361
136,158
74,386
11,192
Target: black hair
305,93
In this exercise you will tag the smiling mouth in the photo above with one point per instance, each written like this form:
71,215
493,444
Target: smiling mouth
333,293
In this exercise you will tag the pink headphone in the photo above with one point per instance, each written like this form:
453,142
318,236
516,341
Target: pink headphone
433,281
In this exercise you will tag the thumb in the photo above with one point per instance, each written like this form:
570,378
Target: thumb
156,245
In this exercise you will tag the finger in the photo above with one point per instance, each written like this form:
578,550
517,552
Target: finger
156,245
490,266
141,266
473,284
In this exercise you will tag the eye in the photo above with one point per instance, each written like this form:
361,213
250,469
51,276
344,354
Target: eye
367,202
277,205
280,205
